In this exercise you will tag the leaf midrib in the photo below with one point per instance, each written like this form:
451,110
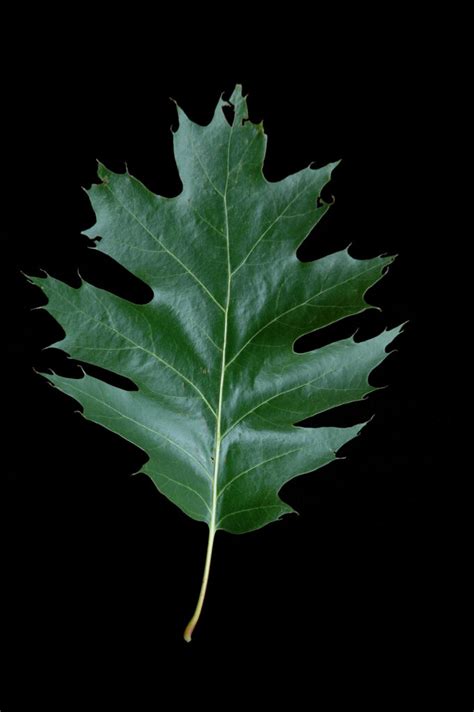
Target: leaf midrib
218,438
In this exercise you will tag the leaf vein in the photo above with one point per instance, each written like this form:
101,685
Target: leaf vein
142,425
182,484
138,346
203,168
254,467
295,388
205,220
251,509
165,248
272,224
297,306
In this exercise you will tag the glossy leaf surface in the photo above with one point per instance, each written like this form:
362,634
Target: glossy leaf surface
219,384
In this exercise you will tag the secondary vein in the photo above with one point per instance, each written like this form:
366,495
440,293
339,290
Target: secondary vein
135,345
137,422
166,249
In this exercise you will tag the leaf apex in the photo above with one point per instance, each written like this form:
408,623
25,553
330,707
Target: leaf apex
239,102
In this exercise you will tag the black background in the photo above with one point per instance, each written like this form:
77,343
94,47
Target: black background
101,572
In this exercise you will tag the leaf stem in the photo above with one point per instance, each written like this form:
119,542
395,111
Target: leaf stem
218,436
192,623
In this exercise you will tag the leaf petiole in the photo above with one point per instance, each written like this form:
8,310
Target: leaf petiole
192,623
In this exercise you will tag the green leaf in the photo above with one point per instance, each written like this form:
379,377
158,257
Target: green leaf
219,384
